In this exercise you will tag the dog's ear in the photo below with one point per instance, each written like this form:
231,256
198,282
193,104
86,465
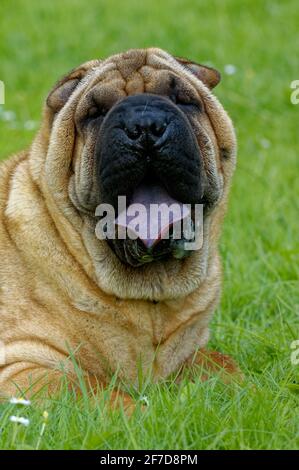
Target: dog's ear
209,76
63,89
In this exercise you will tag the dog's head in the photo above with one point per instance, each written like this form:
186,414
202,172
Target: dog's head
144,125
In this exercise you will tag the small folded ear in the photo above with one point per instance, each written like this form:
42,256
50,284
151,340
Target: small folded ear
209,76
67,85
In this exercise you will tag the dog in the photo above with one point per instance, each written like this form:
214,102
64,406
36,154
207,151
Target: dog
141,124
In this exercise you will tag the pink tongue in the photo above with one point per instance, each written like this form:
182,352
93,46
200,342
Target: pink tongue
151,214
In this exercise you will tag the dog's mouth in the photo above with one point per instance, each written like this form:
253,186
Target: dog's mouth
153,226
157,212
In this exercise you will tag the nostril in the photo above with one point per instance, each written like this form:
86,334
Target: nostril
147,129
134,132
158,129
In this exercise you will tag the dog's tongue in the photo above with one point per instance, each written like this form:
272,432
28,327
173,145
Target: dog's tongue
151,214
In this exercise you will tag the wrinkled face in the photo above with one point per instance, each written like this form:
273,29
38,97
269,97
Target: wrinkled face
146,127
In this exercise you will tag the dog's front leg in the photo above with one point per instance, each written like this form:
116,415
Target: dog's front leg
28,380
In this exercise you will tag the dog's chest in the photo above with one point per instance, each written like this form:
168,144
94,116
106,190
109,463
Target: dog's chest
153,338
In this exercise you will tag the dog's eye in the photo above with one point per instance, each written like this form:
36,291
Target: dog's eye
95,112
181,100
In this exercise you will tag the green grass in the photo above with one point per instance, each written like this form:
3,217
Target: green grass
258,315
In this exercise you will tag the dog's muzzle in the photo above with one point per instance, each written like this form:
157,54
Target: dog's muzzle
147,152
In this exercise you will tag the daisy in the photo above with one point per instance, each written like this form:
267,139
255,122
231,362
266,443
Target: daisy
19,401
20,420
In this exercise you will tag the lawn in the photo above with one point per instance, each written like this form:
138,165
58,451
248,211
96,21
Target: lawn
259,312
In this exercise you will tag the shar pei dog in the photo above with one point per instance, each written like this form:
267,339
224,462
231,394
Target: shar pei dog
142,125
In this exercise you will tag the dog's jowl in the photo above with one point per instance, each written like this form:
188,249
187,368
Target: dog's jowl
141,127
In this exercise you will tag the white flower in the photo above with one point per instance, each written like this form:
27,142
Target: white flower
230,69
19,401
8,115
144,399
29,125
20,420
265,143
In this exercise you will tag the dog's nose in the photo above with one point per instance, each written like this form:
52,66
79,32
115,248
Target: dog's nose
147,127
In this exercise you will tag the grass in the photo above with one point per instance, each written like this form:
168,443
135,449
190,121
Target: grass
258,315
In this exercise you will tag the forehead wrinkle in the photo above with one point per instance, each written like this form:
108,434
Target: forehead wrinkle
129,62
153,58
136,83
114,63
167,62
99,74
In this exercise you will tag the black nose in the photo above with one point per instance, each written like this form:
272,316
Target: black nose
143,120
145,126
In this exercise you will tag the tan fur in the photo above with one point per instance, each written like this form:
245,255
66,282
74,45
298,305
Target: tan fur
64,290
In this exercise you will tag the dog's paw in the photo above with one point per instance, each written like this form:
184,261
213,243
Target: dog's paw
119,399
213,363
